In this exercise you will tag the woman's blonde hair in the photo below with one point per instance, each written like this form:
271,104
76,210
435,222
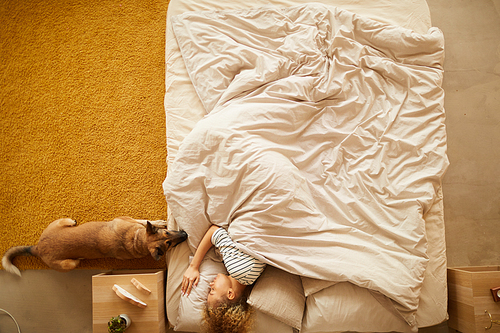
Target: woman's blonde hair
228,318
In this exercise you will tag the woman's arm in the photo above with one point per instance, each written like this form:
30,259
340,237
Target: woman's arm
192,274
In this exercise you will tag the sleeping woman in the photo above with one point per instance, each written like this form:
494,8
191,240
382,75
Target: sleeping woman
227,309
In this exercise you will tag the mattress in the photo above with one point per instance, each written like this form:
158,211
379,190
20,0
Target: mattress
184,109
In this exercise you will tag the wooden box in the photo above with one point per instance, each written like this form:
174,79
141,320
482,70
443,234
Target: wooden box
470,297
106,303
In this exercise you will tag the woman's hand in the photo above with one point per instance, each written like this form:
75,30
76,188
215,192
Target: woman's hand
190,280
192,274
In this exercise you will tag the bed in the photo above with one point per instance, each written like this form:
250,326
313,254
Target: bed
313,132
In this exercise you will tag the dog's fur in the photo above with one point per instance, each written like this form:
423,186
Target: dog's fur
62,244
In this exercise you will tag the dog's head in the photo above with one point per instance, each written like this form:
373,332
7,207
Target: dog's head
161,240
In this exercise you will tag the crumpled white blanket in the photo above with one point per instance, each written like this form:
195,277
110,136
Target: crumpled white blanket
323,145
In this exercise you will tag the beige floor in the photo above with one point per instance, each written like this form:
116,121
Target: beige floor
472,86
47,301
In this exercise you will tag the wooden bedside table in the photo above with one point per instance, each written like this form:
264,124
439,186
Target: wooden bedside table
470,296
106,303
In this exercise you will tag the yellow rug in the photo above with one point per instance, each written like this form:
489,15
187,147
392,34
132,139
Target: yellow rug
83,124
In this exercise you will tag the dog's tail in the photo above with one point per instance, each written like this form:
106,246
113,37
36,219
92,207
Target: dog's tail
14,252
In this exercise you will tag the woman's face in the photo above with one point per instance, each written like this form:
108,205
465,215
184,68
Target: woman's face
218,290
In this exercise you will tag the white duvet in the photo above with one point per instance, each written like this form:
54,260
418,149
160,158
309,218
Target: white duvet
323,145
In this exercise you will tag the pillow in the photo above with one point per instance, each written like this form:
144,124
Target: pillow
280,295
190,313
184,313
351,308
265,323
177,263
312,286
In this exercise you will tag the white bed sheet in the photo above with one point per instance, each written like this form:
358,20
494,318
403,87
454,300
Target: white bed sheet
184,110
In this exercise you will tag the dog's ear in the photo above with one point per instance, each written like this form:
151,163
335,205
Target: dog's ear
151,229
158,253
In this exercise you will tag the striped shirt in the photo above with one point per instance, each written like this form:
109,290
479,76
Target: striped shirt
242,267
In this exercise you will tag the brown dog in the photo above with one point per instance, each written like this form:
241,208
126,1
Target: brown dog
62,244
